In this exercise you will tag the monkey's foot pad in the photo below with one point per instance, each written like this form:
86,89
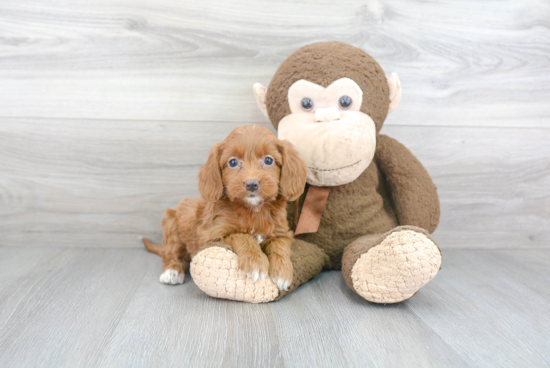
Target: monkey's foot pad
215,271
397,268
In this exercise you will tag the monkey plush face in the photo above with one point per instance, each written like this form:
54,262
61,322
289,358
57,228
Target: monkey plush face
332,135
330,100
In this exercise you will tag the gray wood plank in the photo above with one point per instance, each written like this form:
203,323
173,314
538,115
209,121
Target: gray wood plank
491,306
62,311
461,63
15,265
71,183
106,307
492,183
103,183
320,325
17,262
180,326
336,327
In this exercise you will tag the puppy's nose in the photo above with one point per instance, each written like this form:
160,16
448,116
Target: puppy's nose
252,185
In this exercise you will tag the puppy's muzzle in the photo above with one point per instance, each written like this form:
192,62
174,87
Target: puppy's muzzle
252,185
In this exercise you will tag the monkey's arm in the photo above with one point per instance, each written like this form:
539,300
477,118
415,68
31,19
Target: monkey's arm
412,190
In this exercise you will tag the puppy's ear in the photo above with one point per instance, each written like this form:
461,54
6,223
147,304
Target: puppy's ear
293,172
210,176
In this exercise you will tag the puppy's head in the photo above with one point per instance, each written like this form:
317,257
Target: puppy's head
252,166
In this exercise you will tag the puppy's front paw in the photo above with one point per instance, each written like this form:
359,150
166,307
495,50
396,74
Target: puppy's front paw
281,271
172,277
255,265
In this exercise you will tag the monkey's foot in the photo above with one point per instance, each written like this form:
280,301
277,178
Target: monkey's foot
215,271
397,267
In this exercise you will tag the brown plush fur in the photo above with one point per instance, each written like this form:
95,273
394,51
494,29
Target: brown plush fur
395,190
223,213
363,244
413,192
394,193
322,63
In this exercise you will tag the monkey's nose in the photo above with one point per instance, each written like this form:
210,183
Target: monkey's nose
252,185
327,114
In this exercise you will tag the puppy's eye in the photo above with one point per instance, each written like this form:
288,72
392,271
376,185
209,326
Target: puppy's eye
268,161
345,102
233,162
307,104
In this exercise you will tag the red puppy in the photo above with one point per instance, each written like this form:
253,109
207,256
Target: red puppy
244,187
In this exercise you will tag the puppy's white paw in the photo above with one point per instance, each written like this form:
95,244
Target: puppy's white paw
256,275
172,277
282,284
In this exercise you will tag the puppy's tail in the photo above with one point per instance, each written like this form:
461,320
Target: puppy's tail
153,248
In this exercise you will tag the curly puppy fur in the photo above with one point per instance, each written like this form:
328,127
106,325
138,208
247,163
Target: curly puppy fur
244,187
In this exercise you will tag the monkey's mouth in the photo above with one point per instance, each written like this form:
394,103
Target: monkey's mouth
339,168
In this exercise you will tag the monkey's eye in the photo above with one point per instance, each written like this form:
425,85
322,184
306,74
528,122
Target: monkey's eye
344,102
233,162
268,161
307,104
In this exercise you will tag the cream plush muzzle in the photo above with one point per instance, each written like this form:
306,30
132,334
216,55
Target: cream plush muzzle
336,152
336,142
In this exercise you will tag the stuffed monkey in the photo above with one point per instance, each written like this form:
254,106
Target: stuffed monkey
369,205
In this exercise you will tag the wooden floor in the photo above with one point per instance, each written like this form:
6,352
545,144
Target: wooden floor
105,307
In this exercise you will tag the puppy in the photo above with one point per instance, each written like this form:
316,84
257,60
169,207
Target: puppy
244,187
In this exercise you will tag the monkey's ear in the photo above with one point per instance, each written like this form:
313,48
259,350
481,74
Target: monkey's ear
395,91
210,176
260,92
